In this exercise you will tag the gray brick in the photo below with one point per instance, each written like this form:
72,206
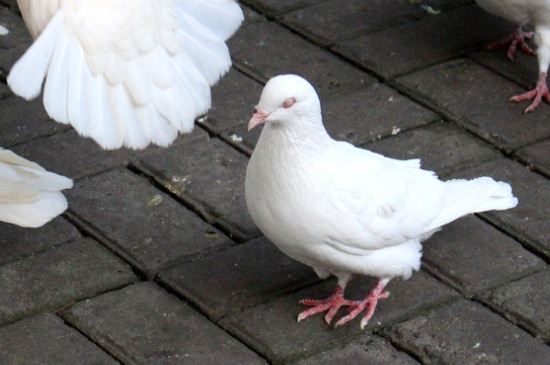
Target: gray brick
45,339
466,333
57,277
371,114
537,155
408,47
474,257
272,7
142,324
334,20
371,350
24,121
209,175
267,49
140,223
233,100
477,99
82,156
443,148
288,340
18,242
526,302
528,222
237,278
524,70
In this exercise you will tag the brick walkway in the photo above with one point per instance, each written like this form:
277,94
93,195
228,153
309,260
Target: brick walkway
157,261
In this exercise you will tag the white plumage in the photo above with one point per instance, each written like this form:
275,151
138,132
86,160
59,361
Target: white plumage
125,73
522,13
344,210
29,195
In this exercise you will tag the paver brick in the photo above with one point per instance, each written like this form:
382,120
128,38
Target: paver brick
288,340
82,156
526,302
372,113
140,223
466,333
474,257
14,44
45,339
264,49
57,277
411,46
528,222
18,242
441,147
273,7
237,278
233,100
537,155
523,70
330,21
24,121
209,175
371,350
142,324
477,98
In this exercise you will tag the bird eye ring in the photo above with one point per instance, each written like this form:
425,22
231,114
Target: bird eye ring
288,103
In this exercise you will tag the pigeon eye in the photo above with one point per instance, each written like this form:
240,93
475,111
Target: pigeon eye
288,103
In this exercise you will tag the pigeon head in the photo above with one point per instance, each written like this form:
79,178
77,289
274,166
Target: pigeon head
287,100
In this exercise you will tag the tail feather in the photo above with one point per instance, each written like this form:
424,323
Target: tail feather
474,196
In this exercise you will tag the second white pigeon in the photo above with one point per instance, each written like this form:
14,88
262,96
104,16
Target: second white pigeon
125,73
522,13
344,210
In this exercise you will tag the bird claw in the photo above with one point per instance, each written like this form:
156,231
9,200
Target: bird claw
371,301
512,42
541,91
336,301
331,305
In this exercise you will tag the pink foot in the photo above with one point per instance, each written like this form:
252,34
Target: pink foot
331,305
371,301
515,39
541,91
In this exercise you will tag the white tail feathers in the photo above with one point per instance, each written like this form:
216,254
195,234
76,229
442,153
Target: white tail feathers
29,195
127,77
474,196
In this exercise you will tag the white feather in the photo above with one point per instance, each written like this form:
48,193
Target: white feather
99,55
29,195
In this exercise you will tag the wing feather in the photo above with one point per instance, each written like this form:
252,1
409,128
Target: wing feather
126,75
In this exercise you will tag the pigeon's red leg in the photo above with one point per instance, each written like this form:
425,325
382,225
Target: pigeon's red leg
539,92
371,301
331,305
517,38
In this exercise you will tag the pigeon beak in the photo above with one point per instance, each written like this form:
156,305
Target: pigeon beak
258,118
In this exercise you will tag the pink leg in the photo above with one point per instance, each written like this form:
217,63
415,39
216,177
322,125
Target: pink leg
541,91
331,305
517,38
371,301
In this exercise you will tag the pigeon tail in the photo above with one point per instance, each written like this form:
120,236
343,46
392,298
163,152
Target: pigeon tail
474,196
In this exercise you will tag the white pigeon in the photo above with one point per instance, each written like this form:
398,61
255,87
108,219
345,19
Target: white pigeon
522,13
125,72
29,195
345,210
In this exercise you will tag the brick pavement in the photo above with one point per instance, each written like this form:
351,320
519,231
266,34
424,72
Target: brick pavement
157,261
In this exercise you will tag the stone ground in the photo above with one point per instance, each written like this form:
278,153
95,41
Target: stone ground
157,261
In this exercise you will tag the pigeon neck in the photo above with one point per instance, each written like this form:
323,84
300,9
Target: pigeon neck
308,134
